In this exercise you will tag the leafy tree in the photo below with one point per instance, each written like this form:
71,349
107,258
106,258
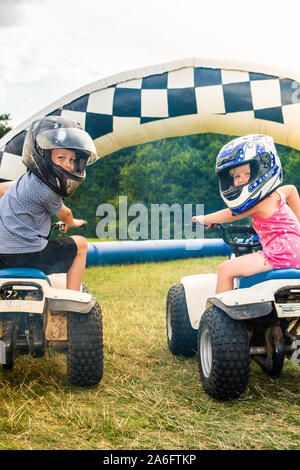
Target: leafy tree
175,170
4,127
291,164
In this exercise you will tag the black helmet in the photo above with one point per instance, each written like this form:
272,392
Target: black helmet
55,132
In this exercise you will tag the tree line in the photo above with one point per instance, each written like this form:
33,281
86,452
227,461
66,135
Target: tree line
171,171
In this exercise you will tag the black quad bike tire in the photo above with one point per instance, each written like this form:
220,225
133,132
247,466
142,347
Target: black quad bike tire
223,355
10,330
274,370
85,348
278,360
182,337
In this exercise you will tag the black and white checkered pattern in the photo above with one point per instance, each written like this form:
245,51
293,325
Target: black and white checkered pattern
185,91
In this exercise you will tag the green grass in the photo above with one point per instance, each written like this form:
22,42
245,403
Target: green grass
148,398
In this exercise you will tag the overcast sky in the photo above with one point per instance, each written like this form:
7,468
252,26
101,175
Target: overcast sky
49,48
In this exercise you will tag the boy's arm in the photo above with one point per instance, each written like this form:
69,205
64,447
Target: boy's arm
292,198
66,216
5,186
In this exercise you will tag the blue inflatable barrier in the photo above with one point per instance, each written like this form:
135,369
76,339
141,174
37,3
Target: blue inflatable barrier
129,252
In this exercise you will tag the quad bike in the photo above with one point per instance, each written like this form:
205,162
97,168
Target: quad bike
259,319
37,311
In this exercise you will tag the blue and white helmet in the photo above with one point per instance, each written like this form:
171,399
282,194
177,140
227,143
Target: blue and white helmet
265,171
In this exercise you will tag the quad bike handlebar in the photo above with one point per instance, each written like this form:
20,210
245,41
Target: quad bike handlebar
240,246
60,226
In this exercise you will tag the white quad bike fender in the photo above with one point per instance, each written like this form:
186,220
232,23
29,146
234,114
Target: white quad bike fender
240,304
59,298
53,302
197,290
66,299
258,300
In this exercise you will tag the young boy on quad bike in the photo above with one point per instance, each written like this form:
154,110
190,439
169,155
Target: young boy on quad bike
37,311
56,151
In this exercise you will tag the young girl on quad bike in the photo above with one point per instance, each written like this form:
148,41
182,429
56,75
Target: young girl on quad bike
250,172
56,151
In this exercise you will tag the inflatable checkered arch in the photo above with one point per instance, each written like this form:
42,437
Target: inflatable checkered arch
185,97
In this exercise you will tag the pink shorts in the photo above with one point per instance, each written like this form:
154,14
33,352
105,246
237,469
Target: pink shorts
284,252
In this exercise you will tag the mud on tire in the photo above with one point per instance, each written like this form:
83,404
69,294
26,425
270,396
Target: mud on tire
182,337
85,348
223,354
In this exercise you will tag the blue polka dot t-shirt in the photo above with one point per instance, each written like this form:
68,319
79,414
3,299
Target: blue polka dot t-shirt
25,215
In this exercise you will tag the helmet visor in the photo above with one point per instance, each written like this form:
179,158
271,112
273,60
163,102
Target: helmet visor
68,138
228,188
260,170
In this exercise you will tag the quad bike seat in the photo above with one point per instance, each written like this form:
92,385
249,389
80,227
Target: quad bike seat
22,273
290,273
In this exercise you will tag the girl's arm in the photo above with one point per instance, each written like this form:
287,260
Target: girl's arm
292,198
220,217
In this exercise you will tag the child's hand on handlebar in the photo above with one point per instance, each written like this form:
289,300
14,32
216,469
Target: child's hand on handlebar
200,219
63,227
79,223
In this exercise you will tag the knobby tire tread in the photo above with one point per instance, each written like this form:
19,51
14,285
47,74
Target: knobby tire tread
230,369
184,336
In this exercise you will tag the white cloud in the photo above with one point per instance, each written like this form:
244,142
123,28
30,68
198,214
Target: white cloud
11,12
51,47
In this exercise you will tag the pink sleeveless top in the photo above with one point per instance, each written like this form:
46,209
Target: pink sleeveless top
280,236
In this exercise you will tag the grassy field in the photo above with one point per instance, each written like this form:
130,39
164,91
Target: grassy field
147,399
